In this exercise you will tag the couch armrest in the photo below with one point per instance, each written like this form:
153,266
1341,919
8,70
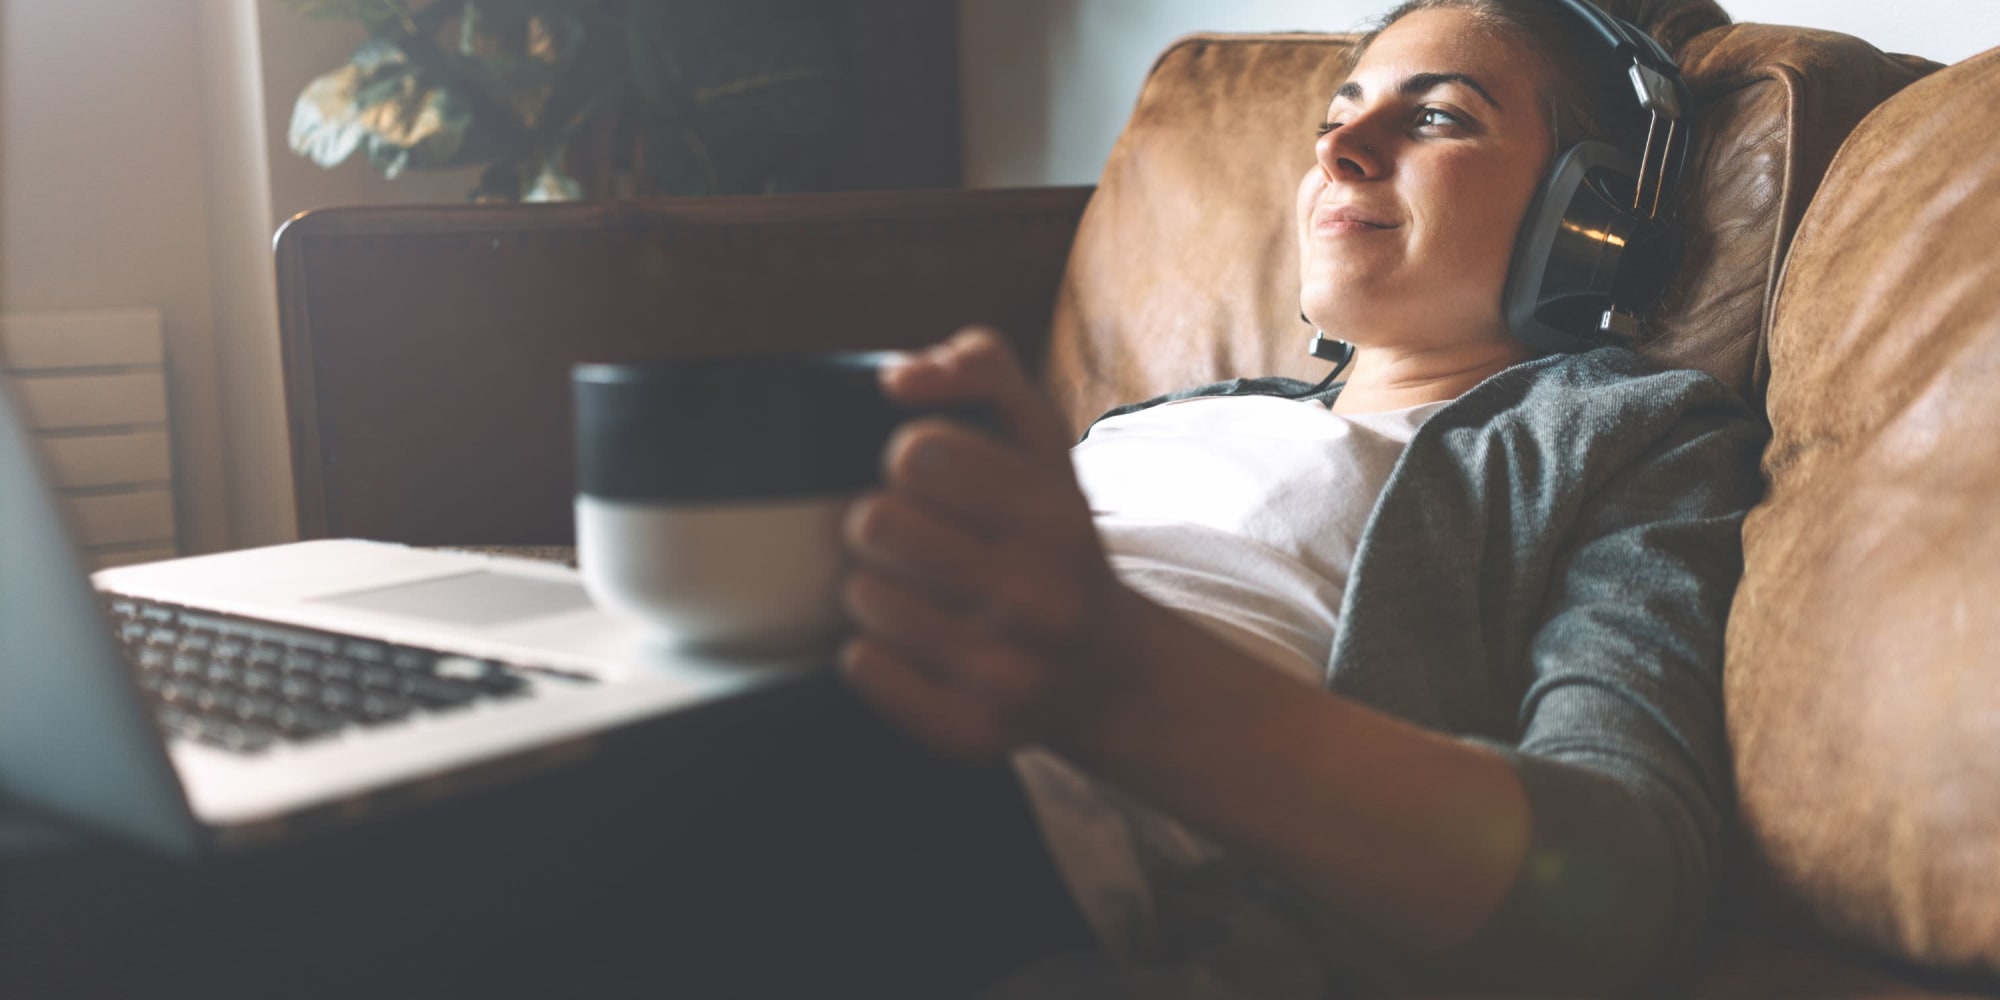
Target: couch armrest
427,349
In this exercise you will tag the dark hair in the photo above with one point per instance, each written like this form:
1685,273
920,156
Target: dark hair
1582,80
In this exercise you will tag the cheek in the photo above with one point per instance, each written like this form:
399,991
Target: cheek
1483,212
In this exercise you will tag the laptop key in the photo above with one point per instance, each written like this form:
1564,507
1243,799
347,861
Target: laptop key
487,675
365,650
435,692
178,693
376,707
232,736
406,658
337,671
378,678
256,708
298,687
211,701
304,722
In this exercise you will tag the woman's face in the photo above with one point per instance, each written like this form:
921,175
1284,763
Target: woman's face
1433,147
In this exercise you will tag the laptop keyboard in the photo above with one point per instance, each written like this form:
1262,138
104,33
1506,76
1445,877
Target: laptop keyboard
246,685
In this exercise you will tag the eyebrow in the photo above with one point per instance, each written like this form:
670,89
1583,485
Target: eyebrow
1421,83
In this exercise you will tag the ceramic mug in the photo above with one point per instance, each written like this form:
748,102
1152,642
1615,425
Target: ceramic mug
711,491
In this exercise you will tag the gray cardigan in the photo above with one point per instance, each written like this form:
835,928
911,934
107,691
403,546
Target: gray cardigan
1548,572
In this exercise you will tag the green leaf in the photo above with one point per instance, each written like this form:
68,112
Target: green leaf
380,103
553,185
326,126
425,127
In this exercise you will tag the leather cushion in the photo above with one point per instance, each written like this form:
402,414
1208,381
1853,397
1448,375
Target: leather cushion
1774,104
1863,683
1185,269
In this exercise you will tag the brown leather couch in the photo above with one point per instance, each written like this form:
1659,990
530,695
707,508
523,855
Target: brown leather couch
1839,271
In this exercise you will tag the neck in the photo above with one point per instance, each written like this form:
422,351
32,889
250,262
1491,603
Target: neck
1385,378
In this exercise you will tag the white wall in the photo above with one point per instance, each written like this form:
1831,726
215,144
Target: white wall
104,201
143,163
1048,83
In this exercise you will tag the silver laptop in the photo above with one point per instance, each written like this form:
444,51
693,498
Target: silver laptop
229,700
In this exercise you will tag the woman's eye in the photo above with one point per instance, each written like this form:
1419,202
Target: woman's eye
1437,118
1327,127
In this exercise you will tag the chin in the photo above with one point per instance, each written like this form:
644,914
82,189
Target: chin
1336,304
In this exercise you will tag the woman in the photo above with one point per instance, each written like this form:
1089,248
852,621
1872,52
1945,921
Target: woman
1439,689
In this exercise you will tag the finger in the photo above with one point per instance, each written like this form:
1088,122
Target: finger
891,535
977,365
942,717
948,646
911,620
973,479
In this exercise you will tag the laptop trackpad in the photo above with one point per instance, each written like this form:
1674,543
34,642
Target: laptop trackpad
477,598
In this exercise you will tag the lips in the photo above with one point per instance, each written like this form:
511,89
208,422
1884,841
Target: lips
1351,218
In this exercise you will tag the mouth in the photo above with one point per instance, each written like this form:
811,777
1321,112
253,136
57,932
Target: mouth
1350,219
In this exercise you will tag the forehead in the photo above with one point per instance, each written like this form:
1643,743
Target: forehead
1447,40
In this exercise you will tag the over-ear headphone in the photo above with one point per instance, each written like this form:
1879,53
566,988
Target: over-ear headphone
1590,253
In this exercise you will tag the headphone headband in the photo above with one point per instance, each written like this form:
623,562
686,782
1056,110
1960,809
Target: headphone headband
1622,35
1659,91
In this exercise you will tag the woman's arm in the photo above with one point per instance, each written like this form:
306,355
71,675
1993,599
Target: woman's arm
990,619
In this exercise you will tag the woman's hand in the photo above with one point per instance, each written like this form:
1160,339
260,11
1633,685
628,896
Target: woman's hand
987,615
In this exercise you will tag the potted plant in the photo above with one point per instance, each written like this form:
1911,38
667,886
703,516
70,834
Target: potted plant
567,99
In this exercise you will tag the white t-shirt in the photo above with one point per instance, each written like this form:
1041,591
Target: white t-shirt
1243,513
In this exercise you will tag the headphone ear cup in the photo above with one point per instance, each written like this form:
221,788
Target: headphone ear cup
1579,233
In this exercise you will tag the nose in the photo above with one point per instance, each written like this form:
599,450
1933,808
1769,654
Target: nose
1352,152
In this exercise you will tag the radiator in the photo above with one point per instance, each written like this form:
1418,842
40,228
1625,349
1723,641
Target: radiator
92,388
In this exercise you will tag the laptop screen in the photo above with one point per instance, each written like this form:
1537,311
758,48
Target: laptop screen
76,736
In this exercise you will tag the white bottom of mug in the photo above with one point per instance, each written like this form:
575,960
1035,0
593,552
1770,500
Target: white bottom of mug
748,575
